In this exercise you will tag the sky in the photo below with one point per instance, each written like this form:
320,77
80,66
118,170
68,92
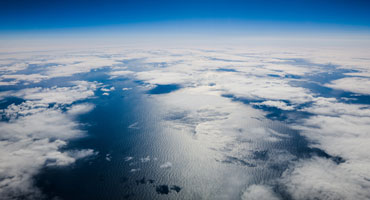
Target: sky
256,16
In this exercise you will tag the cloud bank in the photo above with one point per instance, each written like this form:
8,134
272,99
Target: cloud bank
34,133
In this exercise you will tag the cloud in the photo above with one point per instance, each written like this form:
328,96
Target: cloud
122,73
134,125
108,157
332,107
34,78
146,159
80,109
235,132
231,129
35,66
12,67
351,84
135,170
107,89
32,141
320,178
34,134
259,192
77,64
61,95
278,104
340,130
128,158
166,165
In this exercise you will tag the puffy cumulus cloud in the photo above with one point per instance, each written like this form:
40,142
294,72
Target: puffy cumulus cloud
351,84
259,192
320,178
34,133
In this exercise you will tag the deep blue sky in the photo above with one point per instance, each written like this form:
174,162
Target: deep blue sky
30,15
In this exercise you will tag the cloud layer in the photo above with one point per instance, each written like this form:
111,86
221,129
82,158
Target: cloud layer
34,133
225,103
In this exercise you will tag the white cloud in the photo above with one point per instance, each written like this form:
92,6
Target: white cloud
340,130
108,157
128,158
351,84
320,178
31,141
278,104
80,109
217,123
61,95
34,78
34,134
146,159
14,67
51,65
331,107
6,83
166,165
78,64
259,192
122,73
107,89
135,170
228,127
134,125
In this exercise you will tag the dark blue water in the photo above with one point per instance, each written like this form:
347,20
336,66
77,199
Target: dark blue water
163,89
